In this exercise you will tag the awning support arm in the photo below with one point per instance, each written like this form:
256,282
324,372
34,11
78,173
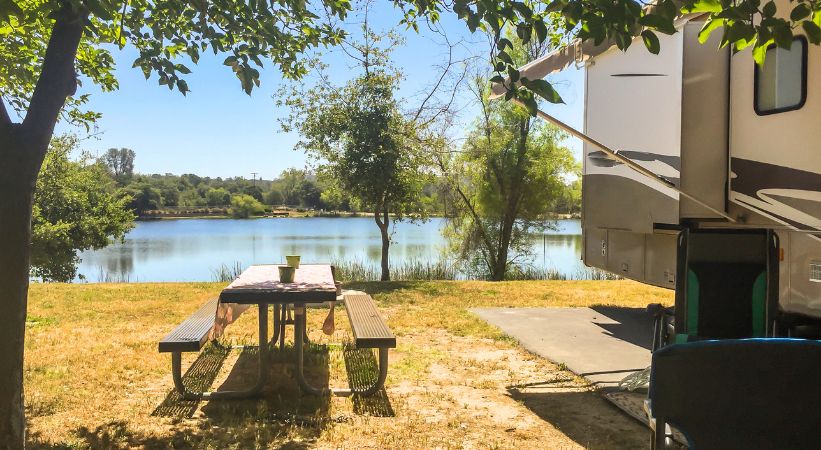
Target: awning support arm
614,154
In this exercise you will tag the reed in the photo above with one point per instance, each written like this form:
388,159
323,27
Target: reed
227,273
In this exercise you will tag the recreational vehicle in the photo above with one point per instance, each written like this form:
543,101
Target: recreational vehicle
699,165
702,174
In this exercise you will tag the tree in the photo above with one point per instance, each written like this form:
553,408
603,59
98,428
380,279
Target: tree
366,145
217,197
509,176
273,197
74,210
45,45
141,197
244,206
120,162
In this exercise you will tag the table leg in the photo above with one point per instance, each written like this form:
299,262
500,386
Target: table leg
283,323
276,324
299,344
262,370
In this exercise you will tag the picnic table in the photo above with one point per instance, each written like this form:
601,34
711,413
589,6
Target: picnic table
260,285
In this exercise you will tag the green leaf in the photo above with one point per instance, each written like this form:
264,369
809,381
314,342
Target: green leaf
182,69
658,23
800,12
530,103
543,89
99,9
812,30
541,30
760,51
651,41
712,6
769,9
523,10
513,74
230,61
182,86
9,8
708,28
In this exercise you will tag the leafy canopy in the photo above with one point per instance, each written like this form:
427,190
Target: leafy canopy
166,34
743,23
360,139
75,209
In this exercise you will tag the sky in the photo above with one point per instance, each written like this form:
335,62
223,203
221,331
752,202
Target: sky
218,130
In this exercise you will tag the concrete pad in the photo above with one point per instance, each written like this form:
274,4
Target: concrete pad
602,344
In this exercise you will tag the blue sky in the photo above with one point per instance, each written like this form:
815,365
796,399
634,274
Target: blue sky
218,130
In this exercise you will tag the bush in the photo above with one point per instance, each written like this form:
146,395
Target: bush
244,206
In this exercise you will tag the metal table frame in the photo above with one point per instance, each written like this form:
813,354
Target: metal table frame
280,320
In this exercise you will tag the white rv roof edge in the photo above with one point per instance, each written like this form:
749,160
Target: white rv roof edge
574,52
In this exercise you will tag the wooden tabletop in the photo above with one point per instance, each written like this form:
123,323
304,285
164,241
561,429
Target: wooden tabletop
313,283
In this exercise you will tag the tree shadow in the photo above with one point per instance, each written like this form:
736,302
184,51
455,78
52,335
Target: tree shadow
583,416
118,435
363,369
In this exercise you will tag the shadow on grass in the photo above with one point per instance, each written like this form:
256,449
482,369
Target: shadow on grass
583,416
382,287
118,435
363,370
199,377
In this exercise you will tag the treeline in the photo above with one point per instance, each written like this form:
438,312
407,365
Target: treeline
294,188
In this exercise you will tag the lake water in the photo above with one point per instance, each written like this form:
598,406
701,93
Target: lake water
192,249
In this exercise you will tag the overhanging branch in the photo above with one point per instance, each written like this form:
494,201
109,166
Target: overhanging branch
57,79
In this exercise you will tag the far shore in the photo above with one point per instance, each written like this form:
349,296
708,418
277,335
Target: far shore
290,213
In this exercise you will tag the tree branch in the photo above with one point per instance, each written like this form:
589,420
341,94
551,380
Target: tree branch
4,113
58,79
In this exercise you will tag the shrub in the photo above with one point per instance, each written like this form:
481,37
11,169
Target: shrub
244,206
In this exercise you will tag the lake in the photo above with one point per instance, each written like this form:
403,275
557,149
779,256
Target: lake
193,249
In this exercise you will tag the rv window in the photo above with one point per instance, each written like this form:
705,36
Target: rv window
781,84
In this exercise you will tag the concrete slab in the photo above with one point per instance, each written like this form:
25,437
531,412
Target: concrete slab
602,344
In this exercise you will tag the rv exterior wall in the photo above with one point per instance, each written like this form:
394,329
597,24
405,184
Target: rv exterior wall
775,161
776,155
633,104
704,123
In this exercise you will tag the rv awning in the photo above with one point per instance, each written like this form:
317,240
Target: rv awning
576,52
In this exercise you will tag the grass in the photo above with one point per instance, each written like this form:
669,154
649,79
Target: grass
426,270
94,378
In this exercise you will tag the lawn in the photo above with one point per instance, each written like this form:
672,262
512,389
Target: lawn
94,378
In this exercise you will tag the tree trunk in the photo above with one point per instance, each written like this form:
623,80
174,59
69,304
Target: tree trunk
383,222
22,149
18,173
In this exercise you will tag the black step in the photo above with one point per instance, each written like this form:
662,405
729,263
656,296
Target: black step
192,333
369,329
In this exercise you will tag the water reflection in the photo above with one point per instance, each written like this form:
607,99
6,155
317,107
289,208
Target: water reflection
191,249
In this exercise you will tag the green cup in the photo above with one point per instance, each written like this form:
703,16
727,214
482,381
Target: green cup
286,274
293,261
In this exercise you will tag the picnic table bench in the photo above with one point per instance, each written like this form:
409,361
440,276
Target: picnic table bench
260,285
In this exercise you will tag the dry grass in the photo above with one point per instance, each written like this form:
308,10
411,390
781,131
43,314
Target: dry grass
94,378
